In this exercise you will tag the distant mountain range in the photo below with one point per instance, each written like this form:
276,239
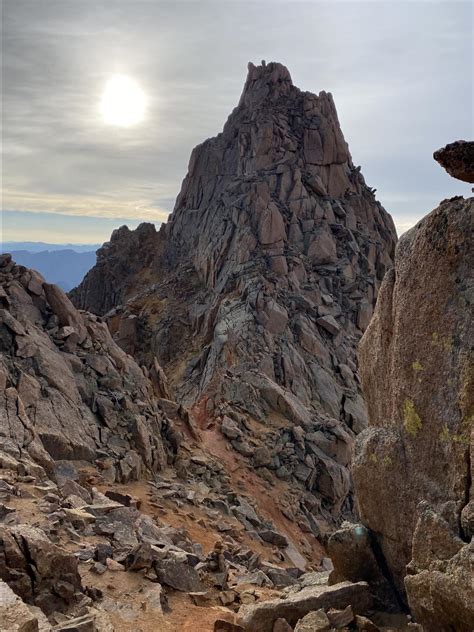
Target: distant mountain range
41,246
63,264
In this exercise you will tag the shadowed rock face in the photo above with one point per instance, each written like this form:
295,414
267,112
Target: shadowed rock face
259,288
413,466
458,159
127,254
68,392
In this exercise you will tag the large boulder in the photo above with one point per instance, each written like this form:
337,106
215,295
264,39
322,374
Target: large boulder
413,466
261,616
351,549
458,159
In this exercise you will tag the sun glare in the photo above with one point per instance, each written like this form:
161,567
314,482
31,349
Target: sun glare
123,102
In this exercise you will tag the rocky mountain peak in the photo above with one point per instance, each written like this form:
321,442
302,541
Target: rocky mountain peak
123,264
276,185
253,296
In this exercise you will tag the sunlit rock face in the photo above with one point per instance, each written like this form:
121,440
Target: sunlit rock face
412,467
259,288
67,390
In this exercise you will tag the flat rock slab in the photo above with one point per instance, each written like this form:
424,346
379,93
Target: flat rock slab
260,617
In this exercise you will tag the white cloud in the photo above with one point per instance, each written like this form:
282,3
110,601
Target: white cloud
400,73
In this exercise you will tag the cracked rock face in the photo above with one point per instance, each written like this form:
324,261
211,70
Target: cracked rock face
260,285
413,466
68,392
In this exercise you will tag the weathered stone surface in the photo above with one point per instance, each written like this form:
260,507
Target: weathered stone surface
281,625
261,616
352,555
221,625
15,615
316,621
365,625
85,623
65,311
179,575
439,583
412,465
340,618
458,159
75,392
329,324
273,537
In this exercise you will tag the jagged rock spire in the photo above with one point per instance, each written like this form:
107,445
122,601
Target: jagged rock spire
262,282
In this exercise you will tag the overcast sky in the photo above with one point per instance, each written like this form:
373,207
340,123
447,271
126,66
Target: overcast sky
400,72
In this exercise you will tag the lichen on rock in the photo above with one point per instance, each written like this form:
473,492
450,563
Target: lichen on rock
411,419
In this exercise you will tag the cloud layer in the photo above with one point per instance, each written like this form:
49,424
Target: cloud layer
401,75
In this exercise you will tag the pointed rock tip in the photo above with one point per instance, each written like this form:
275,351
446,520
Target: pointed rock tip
264,80
273,70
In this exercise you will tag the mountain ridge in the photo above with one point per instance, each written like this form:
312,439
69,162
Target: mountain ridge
252,297
40,246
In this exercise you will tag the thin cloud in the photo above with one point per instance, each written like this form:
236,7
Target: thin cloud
400,74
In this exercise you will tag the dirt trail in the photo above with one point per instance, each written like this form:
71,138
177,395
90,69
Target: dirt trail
266,496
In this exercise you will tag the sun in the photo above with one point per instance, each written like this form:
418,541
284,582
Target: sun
123,102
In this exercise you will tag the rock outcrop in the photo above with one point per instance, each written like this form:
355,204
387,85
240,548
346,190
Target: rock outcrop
413,466
262,282
352,552
67,391
124,264
458,159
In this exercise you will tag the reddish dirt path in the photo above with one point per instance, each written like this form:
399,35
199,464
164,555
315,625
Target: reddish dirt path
252,485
